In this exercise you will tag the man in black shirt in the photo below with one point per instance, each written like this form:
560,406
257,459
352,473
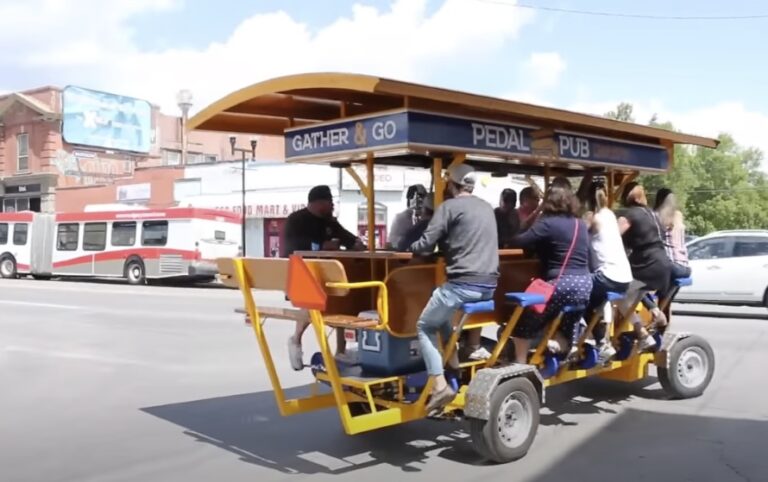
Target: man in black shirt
313,229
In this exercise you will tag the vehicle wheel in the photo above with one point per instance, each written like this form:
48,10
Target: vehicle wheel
134,272
691,364
7,267
514,420
765,298
41,277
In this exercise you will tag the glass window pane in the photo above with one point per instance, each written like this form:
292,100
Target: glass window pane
66,239
124,233
20,234
94,236
751,246
3,233
154,233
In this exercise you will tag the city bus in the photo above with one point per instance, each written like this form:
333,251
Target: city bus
138,245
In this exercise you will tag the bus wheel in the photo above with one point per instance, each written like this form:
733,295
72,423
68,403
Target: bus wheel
7,267
691,364
134,272
514,420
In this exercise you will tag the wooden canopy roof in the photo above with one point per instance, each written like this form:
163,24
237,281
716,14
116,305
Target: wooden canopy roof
274,105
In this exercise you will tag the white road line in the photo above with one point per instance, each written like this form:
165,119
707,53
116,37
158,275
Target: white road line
41,305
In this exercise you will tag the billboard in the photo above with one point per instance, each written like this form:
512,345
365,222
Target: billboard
98,119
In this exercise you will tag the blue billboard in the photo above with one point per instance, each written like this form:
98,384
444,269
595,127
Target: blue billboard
109,121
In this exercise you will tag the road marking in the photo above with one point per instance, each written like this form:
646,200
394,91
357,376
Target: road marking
41,305
331,463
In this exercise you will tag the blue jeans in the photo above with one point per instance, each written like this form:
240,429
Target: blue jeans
437,316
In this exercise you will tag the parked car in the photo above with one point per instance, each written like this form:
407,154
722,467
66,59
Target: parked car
729,267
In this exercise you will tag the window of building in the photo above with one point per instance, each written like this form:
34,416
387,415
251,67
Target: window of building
210,158
124,233
154,233
66,237
22,152
94,236
195,158
3,233
20,234
171,158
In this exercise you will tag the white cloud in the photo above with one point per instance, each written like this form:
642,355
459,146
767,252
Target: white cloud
405,42
544,69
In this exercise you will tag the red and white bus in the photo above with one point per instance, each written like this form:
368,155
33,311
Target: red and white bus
137,245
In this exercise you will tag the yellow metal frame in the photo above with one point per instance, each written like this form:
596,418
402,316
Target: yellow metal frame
384,412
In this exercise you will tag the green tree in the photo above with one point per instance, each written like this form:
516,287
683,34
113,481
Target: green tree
722,188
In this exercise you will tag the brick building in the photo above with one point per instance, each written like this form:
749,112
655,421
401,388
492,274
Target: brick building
41,171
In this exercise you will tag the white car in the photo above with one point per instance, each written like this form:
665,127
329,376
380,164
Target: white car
728,267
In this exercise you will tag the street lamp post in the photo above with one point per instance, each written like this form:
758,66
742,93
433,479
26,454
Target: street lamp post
184,101
232,143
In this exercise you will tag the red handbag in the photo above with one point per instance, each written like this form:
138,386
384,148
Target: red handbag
540,287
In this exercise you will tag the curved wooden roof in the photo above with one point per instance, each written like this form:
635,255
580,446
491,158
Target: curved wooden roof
277,104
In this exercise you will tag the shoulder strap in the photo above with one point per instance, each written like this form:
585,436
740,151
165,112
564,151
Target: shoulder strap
570,250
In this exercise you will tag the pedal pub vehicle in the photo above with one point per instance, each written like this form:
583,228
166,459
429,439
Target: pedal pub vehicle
343,119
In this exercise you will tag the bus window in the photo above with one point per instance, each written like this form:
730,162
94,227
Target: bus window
124,233
20,234
67,237
3,233
154,233
94,236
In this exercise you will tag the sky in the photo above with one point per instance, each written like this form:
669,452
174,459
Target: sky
705,76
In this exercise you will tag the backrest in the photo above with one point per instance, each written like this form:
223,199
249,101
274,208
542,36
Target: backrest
272,273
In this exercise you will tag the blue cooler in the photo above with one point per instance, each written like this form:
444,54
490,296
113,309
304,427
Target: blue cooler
382,354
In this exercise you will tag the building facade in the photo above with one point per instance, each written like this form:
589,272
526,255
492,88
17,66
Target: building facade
48,165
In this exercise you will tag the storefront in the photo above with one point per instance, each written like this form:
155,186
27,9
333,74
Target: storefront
27,193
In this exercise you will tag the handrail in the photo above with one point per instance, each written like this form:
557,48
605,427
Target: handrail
382,299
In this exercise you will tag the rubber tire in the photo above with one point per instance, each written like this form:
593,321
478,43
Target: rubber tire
142,279
669,380
484,433
14,272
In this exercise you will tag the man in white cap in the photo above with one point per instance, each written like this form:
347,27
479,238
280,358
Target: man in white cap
465,228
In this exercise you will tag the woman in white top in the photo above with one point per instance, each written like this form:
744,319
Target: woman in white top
610,267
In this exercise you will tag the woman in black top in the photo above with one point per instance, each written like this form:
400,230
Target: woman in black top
552,236
651,267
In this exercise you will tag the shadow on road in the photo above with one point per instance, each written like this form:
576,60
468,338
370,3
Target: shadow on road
250,426
641,445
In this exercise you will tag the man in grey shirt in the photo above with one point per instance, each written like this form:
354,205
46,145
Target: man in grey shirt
465,229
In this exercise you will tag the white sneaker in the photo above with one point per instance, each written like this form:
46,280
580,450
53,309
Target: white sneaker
480,354
646,343
295,355
605,352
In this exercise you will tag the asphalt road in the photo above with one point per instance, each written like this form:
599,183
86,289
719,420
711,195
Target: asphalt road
107,382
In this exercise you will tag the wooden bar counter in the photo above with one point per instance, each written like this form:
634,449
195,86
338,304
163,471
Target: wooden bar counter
410,280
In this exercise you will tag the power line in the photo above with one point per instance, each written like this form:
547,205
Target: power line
627,15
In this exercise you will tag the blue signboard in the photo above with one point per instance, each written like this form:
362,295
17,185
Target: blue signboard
99,119
436,131
468,134
595,149
380,131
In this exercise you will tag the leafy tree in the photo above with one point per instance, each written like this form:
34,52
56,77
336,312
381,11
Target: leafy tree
722,188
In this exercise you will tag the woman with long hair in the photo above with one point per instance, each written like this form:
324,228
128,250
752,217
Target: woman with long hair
651,268
610,267
561,242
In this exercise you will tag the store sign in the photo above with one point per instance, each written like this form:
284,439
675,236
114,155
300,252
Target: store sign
134,192
436,131
384,178
109,121
263,210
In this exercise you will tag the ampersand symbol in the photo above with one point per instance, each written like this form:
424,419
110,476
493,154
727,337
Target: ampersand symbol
359,134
